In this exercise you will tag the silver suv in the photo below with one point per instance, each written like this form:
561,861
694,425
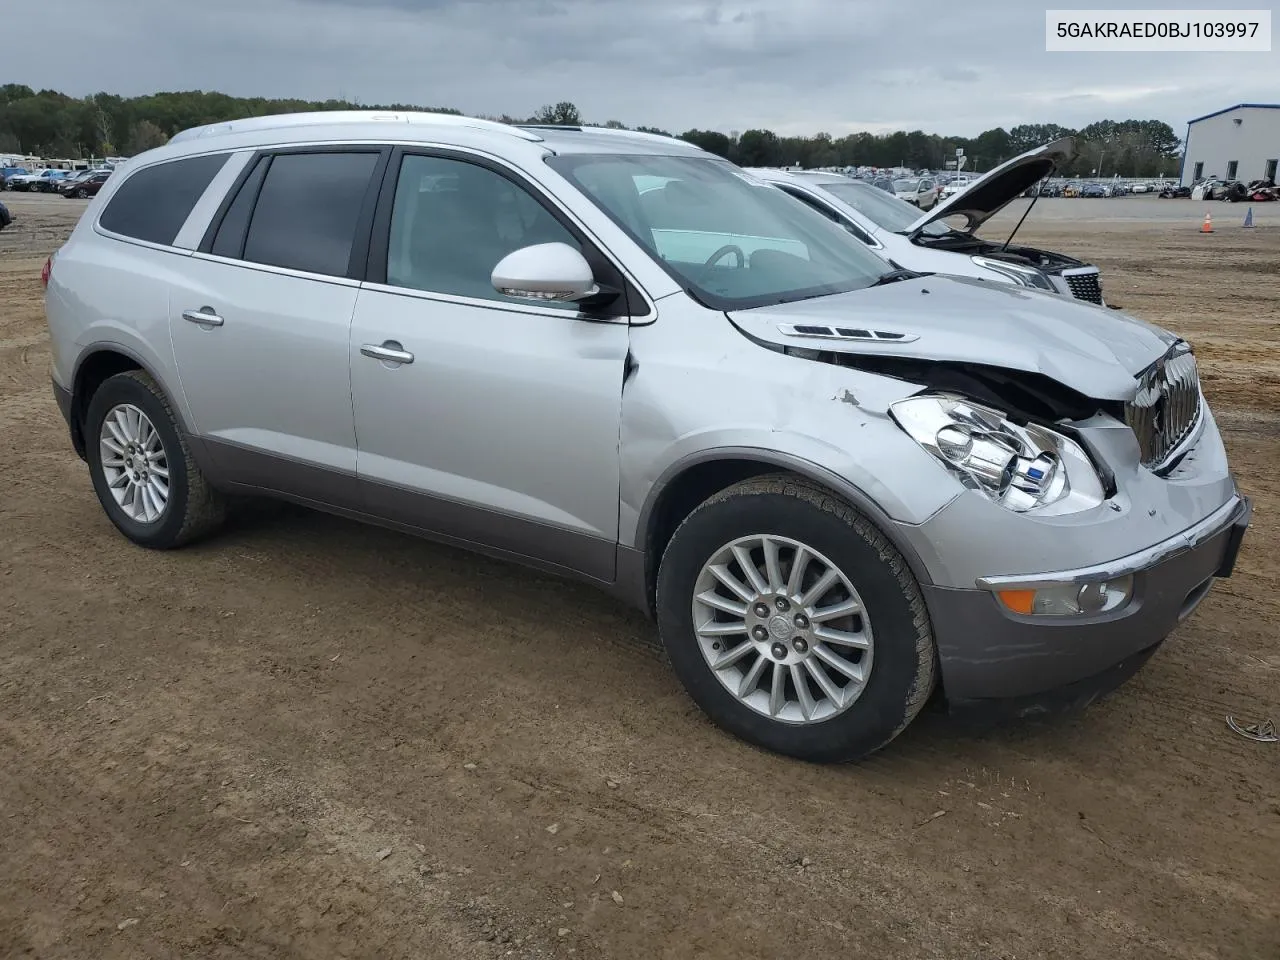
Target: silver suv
837,487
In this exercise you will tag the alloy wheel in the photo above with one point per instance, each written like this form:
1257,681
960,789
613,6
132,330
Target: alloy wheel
783,629
134,463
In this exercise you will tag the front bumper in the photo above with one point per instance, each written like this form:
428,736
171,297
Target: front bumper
987,652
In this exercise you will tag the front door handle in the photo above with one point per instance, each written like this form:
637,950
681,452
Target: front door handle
204,316
389,351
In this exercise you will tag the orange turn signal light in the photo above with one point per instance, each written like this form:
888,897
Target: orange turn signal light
1019,601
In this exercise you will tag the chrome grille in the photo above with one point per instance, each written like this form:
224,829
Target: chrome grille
1166,409
1085,286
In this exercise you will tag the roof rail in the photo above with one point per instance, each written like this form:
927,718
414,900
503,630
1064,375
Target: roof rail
616,131
326,117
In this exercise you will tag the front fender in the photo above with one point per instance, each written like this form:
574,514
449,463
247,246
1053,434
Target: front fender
827,422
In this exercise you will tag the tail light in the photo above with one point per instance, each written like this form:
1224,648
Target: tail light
46,271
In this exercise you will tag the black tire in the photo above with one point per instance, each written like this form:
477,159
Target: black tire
904,667
194,508
82,194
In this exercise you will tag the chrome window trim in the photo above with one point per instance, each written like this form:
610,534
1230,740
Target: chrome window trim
495,304
161,247
279,271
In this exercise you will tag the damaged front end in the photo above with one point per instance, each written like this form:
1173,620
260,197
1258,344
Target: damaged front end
1056,412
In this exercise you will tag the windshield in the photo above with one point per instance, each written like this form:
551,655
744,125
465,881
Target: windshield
881,208
731,240
906,186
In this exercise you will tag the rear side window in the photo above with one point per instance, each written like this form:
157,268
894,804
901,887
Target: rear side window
229,240
155,202
308,210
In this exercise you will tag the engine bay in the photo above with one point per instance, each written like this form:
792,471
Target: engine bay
1023,256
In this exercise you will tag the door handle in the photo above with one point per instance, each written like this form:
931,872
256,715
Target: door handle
205,316
388,351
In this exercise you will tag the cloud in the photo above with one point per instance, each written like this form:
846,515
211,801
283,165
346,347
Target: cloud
798,67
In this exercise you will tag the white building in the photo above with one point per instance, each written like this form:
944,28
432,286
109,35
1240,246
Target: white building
1238,143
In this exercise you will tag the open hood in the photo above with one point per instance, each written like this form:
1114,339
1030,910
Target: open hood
988,195
1094,351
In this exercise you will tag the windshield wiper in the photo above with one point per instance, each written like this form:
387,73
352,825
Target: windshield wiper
893,276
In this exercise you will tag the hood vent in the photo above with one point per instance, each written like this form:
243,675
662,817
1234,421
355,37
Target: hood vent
846,333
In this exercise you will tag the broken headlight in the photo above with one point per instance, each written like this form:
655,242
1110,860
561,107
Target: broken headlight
1023,467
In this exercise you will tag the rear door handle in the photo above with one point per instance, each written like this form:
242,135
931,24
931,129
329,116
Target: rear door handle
389,351
205,316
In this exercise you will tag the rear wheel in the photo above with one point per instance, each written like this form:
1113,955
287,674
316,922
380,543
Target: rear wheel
793,622
142,469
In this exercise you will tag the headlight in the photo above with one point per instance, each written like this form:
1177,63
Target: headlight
1023,468
1024,276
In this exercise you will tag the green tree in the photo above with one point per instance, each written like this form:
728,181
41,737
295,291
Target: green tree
563,113
760,148
146,136
710,140
49,123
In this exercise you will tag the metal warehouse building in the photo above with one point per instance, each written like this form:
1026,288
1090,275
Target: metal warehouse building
1238,143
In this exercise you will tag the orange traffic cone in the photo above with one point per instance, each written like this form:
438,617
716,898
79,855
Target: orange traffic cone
1207,226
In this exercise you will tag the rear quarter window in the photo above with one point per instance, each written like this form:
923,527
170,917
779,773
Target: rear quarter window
155,202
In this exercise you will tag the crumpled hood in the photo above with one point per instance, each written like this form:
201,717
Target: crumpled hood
1093,350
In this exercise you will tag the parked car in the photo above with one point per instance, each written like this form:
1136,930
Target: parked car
956,185
837,486
41,181
883,183
1045,188
899,233
920,192
1094,190
85,184
7,173
1174,191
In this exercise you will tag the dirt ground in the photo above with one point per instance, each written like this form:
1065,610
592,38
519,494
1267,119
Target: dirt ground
306,738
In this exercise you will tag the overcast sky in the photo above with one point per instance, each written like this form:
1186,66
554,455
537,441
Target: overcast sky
794,66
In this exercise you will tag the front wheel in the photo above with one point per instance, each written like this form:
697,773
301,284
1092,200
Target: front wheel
82,194
793,623
142,469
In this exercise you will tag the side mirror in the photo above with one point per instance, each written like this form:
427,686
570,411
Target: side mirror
545,271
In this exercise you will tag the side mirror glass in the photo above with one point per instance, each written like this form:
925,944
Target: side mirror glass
545,271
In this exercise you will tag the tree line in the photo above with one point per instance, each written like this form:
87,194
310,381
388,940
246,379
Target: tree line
52,124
